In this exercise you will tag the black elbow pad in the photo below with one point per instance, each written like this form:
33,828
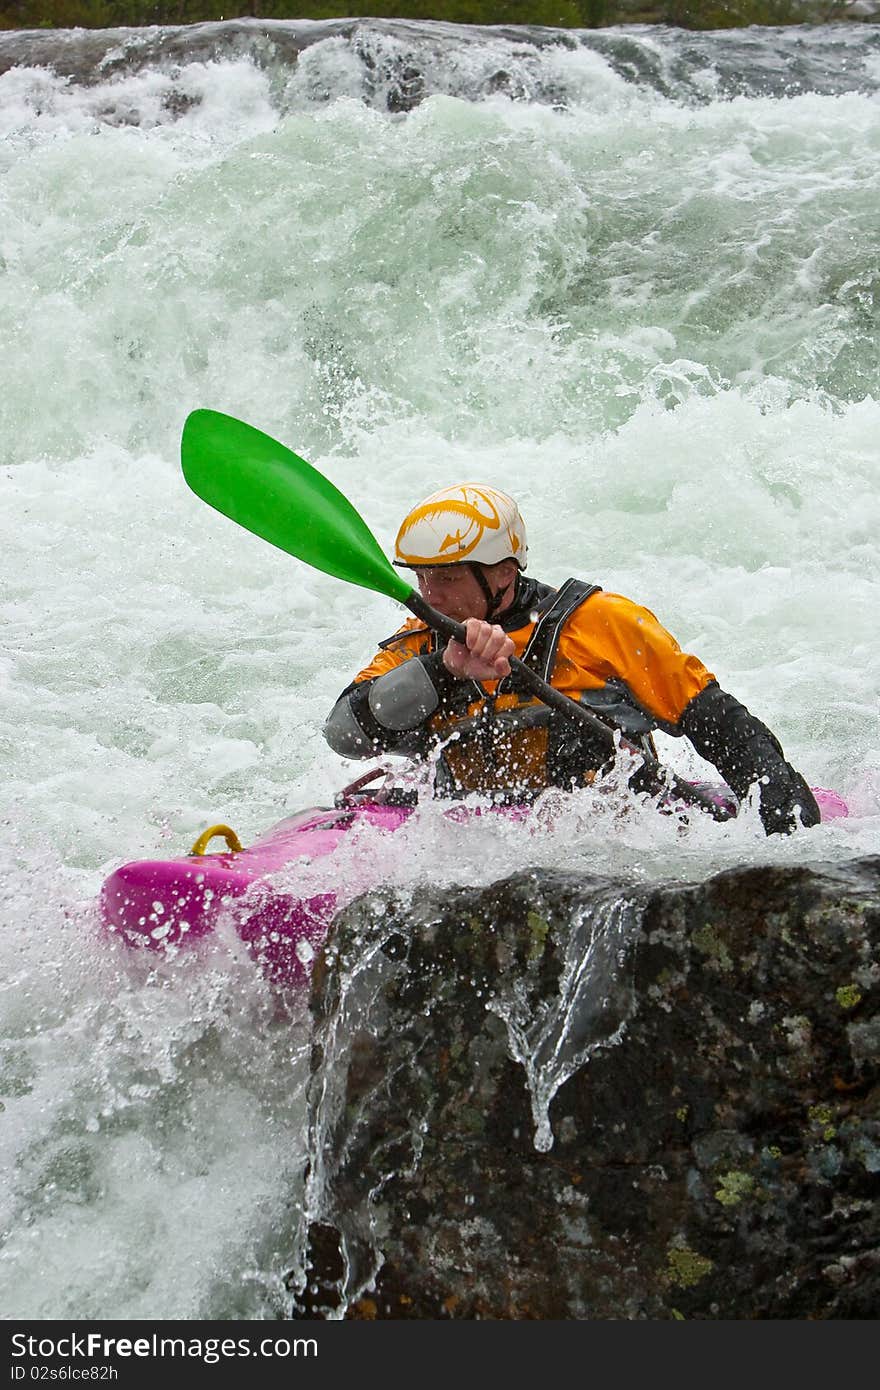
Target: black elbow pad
745,751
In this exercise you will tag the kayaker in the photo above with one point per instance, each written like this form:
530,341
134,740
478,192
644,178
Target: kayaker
459,701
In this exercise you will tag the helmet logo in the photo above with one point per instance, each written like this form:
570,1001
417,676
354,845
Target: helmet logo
467,522
478,514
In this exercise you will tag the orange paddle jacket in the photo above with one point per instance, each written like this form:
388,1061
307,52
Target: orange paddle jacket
601,649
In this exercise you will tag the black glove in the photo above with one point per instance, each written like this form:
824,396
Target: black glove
744,751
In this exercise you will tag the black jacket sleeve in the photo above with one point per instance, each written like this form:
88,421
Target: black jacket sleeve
744,752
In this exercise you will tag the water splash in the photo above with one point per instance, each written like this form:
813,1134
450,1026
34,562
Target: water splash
590,1010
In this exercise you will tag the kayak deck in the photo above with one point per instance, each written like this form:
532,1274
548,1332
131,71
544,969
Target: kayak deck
163,904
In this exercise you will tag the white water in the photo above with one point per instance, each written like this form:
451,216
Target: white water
651,318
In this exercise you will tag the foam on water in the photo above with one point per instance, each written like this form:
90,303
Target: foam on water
150,1124
653,319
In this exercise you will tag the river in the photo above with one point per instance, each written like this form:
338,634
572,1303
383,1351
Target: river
630,276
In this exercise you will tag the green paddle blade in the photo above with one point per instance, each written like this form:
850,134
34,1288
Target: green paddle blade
256,481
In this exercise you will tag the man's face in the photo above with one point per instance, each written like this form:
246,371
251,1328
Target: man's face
453,591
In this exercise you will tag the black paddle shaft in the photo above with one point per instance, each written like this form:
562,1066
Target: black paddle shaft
654,778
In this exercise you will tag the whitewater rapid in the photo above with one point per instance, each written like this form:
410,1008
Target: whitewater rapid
631,277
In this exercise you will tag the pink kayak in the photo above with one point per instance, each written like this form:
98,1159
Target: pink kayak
163,904
166,903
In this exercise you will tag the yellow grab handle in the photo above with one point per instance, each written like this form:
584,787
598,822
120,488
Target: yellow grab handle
232,840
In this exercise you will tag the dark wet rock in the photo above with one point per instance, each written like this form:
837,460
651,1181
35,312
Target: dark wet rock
709,1062
403,61
92,55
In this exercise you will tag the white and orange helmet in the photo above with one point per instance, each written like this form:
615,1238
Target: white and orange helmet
470,523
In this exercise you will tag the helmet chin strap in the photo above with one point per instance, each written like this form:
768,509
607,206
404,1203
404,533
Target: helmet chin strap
492,599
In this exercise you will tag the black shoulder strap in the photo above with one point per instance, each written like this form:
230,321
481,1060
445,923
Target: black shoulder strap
540,652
